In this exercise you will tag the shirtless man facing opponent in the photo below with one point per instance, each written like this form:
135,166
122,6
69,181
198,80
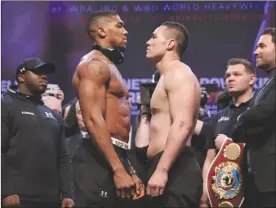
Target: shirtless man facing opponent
106,112
174,174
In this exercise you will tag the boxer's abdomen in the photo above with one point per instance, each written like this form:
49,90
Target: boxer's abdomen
160,125
118,117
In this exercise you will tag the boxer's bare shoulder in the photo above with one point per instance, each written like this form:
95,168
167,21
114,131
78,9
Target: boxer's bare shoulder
181,82
93,67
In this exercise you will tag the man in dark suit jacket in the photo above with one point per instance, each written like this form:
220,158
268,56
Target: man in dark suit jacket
257,127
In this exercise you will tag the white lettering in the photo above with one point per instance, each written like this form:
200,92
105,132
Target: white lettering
223,118
135,84
26,112
133,97
221,82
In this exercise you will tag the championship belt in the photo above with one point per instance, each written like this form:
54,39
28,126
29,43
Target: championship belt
224,178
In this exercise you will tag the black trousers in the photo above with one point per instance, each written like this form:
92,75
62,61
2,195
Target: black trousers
255,198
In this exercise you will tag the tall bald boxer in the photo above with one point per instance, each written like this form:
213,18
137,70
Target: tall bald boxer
174,174
106,112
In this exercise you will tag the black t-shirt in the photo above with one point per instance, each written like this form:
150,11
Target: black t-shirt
223,122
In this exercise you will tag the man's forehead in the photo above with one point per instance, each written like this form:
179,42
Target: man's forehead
266,38
159,30
235,68
117,18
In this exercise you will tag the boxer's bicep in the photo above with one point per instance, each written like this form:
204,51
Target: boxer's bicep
181,92
92,89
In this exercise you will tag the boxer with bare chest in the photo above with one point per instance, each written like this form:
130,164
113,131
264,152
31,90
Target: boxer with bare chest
174,175
101,161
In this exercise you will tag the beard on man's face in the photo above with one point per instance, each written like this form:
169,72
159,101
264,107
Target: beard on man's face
263,65
120,47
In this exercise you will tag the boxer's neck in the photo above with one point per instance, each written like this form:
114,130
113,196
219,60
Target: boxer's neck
104,44
164,64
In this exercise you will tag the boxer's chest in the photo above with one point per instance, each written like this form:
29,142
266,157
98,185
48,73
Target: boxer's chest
116,84
159,100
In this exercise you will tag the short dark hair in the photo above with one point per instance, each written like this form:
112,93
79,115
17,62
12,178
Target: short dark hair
248,65
182,35
95,17
270,31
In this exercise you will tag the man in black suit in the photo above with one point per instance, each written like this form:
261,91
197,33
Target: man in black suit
256,127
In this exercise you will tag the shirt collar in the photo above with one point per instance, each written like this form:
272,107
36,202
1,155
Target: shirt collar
232,105
13,90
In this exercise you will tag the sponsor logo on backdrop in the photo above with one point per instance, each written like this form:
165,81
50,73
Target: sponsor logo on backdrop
194,11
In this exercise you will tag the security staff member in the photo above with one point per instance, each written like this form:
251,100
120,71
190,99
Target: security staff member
35,163
240,77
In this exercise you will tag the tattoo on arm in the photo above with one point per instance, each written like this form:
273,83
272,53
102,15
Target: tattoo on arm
97,71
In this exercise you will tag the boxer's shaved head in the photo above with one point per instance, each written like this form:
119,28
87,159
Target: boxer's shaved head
97,21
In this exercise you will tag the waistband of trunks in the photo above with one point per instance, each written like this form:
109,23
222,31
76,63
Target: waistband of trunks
119,143
115,142
187,151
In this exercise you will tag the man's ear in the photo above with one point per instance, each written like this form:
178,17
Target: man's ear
252,79
171,45
101,32
21,78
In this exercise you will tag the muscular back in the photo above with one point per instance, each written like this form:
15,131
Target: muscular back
103,94
176,99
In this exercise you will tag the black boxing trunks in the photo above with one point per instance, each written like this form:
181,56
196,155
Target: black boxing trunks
184,186
93,176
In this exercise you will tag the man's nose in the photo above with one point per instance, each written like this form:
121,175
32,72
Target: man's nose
44,76
231,78
256,52
125,32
